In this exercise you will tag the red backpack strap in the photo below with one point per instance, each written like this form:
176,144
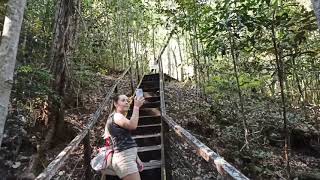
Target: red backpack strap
109,153
108,145
108,138
108,141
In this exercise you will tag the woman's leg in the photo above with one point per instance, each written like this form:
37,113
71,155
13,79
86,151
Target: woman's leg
133,176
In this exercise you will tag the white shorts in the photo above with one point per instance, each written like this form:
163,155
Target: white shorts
125,162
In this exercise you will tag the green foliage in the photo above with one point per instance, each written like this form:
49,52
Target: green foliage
247,82
31,89
32,81
85,79
221,86
249,23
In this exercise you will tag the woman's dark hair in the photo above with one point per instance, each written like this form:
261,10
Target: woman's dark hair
115,99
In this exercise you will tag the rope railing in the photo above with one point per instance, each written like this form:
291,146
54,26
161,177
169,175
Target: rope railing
57,163
212,158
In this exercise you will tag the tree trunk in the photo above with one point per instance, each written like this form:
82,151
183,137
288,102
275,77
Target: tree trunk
279,64
128,46
316,9
235,57
181,59
153,47
136,58
209,67
175,64
169,62
113,60
202,78
8,53
187,50
195,69
62,45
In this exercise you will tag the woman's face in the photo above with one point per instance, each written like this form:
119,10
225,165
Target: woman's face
122,104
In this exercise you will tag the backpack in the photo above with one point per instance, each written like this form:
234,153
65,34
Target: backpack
103,160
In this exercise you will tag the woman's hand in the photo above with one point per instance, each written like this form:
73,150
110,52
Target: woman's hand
138,101
140,164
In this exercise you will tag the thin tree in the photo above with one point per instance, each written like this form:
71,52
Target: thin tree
175,62
8,53
279,63
231,29
181,59
169,61
235,56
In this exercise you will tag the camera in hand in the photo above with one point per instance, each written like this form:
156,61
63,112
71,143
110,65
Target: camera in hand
139,93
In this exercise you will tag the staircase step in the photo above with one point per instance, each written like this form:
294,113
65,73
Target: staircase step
152,164
147,129
152,99
151,104
149,125
149,84
151,89
147,104
146,136
154,174
150,155
147,139
145,120
154,74
151,77
147,94
152,96
147,112
151,171
149,148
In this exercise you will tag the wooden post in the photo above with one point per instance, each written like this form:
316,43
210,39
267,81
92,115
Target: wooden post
163,112
87,156
166,167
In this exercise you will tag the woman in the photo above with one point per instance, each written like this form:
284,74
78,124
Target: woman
125,161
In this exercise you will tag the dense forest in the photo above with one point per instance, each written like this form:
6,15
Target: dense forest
239,57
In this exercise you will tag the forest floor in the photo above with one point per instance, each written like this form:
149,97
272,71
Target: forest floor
218,125
215,124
